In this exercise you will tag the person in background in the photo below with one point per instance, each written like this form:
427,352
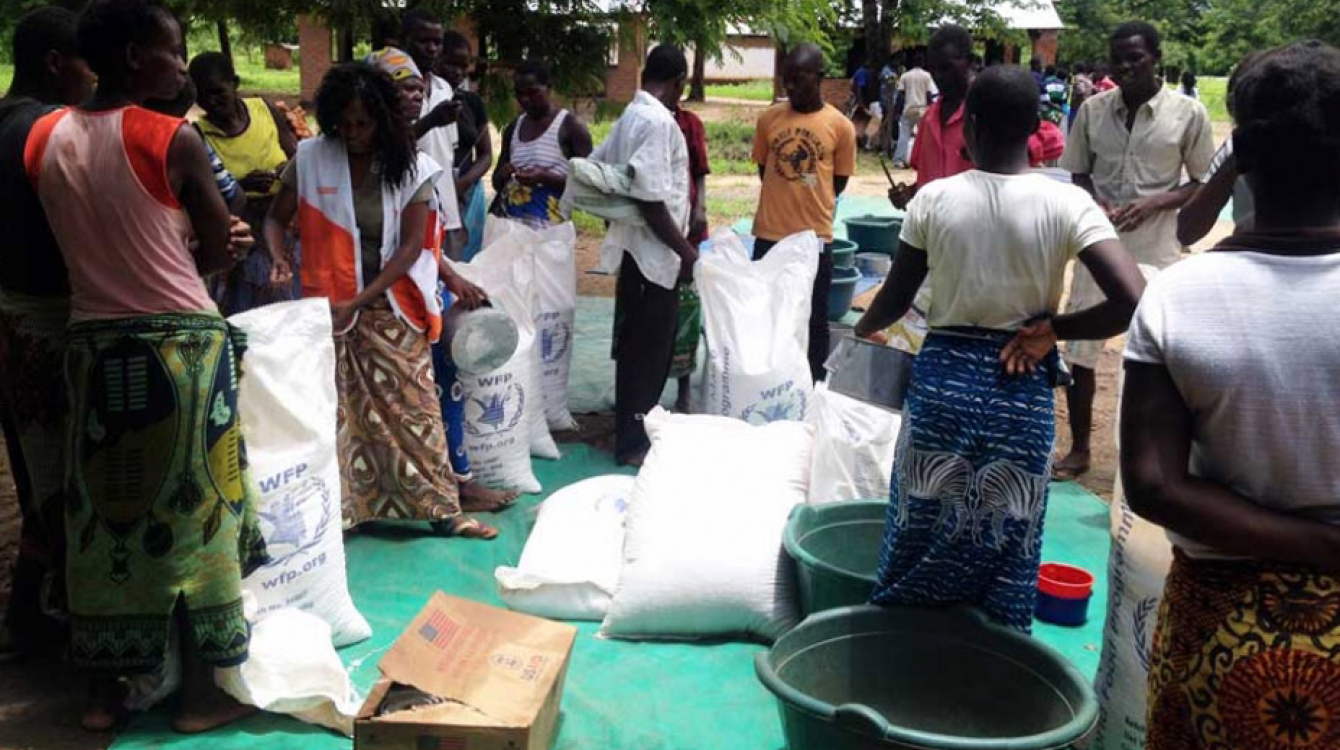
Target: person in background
1055,95
1229,439
858,106
1129,148
254,141
806,152
34,311
1102,82
474,146
160,522
1188,86
1039,73
533,166
455,290
889,101
435,128
969,491
229,187
690,329
939,150
1081,88
1222,183
918,88
651,258
372,242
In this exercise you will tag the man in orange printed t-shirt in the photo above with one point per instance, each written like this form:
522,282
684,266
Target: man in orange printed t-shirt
805,151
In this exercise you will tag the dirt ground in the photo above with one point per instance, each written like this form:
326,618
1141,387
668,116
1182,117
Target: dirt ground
39,699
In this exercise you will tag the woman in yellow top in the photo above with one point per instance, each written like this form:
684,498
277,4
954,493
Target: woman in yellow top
255,141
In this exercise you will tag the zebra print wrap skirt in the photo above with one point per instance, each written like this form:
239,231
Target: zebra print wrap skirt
970,480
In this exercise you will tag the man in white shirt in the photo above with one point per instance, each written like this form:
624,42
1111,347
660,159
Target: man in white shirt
918,88
1129,147
652,257
436,127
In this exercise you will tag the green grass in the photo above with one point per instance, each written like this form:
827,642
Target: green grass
6,76
1213,92
730,145
754,91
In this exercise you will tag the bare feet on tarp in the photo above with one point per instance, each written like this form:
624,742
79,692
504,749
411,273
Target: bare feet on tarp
208,710
1072,467
476,498
105,708
465,528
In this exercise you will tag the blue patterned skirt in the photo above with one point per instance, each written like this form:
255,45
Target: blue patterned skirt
970,482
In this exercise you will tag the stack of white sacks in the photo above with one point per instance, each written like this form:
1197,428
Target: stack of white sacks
692,547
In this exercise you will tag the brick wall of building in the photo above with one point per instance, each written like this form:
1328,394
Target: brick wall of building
624,79
316,51
836,91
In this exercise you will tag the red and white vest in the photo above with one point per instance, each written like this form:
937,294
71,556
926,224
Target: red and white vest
332,265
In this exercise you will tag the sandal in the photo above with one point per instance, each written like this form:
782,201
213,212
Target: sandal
465,528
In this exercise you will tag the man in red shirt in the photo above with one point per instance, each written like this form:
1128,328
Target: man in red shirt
939,150
690,328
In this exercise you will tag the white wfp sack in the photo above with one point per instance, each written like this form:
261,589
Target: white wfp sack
756,317
288,404
853,448
497,424
519,239
291,668
555,316
1137,567
570,567
703,552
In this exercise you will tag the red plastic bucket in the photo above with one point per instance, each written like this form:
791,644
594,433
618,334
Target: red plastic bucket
1063,594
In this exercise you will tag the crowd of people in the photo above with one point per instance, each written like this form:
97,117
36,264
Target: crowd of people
131,234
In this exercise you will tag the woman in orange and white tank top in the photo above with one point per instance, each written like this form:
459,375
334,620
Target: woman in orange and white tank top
160,525
366,211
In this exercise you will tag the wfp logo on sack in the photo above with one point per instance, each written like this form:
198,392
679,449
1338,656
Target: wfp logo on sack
498,410
555,337
784,403
296,521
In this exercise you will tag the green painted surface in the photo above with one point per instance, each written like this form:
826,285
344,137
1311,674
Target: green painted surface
619,695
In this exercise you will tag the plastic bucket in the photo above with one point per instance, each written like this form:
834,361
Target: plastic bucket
875,234
875,265
836,551
873,678
841,293
843,252
1064,592
870,372
481,340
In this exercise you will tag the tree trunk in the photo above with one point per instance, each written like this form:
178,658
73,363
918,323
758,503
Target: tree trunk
870,24
225,41
346,45
879,44
697,87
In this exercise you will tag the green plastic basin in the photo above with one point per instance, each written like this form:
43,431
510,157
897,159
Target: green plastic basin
836,551
844,253
875,678
875,234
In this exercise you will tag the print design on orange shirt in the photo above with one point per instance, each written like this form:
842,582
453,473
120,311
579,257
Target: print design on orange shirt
796,155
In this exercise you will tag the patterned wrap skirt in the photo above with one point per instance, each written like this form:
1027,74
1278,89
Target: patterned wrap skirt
32,388
393,449
970,481
160,508
1246,657
688,332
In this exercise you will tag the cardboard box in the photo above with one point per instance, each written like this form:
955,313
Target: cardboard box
501,672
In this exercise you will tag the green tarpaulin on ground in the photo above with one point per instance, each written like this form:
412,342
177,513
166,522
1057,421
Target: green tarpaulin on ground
619,695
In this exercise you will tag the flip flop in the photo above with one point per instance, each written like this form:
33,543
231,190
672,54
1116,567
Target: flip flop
1068,474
